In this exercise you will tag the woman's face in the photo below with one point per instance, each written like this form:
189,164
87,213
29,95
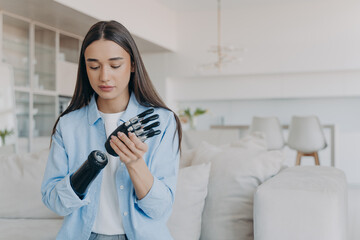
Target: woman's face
108,67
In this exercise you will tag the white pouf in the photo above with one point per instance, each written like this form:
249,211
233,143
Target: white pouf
297,204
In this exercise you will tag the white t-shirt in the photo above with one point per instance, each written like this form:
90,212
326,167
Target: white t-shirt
108,219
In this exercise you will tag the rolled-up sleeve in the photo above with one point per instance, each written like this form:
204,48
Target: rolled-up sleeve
57,193
164,167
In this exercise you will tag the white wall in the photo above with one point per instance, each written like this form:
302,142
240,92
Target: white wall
260,86
143,18
302,58
293,37
280,36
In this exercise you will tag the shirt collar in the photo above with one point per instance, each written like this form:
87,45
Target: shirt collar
130,111
132,108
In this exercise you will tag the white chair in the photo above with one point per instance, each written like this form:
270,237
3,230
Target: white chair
272,129
306,137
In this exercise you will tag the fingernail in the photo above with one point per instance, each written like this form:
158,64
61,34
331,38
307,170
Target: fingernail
119,134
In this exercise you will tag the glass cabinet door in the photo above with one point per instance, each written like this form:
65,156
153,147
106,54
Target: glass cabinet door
22,102
69,49
44,77
16,48
38,53
44,113
67,64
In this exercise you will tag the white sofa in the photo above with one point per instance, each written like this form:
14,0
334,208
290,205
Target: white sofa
236,191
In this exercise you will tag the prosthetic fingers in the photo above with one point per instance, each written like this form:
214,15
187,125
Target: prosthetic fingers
137,126
97,160
83,177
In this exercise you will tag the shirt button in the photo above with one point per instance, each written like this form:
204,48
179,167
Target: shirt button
122,164
122,187
125,213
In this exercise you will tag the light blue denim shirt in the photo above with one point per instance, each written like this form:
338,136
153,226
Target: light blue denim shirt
82,131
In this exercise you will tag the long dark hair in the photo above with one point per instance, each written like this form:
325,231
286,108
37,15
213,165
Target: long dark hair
140,82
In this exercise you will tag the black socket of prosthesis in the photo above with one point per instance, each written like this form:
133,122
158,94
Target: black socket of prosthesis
87,172
137,126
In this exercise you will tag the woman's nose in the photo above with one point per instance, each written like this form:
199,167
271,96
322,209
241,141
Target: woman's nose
104,75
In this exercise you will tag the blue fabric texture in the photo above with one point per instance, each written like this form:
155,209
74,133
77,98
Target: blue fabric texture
82,131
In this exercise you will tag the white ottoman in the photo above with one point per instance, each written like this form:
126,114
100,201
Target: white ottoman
302,203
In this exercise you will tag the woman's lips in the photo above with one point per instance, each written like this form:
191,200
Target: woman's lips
106,88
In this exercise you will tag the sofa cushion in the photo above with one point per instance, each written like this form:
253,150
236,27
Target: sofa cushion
30,229
186,158
20,183
254,141
235,174
303,202
191,191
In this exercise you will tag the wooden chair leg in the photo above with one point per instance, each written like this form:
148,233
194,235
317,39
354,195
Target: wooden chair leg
316,156
298,158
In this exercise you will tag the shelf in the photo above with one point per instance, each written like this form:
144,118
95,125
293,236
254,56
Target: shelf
45,74
22,101
23,114
40,115
16,43
44,103
10,51
35,76
44,49
21,70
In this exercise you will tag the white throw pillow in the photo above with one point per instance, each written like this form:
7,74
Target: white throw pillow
186,158
206,151
20,182
254,140
191,191
235,174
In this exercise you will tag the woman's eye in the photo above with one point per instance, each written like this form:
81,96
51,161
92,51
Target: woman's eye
94,68
117,66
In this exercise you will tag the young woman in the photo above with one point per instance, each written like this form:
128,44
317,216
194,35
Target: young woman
132,197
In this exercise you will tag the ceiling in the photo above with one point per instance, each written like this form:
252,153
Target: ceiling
198,5
64,18
211,5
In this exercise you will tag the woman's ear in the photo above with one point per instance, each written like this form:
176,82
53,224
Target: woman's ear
132,67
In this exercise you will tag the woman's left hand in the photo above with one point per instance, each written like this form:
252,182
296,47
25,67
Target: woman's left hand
130,149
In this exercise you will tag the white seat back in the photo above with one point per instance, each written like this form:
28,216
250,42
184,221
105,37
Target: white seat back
272,129
306,134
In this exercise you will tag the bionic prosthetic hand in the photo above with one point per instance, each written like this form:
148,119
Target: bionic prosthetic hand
97,160
137,126
87,172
